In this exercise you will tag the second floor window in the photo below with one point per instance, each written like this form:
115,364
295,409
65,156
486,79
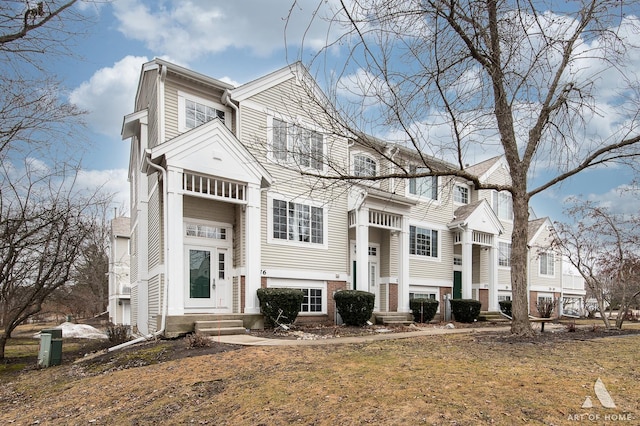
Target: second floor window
502,205
460,194
426,186
297,222
364,166
504,254
423,241
547,264
196,114
294,144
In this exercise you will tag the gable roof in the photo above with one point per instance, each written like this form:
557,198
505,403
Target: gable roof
485,168
478,216
212,149
536,226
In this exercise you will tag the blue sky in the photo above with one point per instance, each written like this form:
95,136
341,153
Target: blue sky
235,41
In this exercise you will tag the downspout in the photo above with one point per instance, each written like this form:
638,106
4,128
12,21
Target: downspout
165,296
226,100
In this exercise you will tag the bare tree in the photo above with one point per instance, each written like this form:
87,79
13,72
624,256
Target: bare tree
603,247
44,224
456,80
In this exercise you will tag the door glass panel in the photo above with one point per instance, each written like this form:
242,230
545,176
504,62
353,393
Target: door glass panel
199,274
221,265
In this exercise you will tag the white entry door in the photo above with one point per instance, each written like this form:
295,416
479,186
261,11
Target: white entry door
207,278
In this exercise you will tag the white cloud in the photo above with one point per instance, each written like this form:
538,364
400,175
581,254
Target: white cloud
109,94
112,181
188,29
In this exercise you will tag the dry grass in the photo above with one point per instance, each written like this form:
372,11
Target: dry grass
441,380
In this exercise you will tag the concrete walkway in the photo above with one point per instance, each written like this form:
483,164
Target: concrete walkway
249,340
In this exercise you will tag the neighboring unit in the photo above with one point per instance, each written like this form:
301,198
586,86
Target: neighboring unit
219,208
119,279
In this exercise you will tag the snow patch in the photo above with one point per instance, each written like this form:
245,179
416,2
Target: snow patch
78,331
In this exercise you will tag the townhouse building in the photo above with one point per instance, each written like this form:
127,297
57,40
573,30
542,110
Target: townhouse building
219,209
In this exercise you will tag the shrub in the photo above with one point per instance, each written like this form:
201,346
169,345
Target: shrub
281,305
465,310
545,307
354,306
423,309
571,327
197,340
118,333
505,307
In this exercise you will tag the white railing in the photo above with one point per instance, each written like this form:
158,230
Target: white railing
214,187
385,220
482,238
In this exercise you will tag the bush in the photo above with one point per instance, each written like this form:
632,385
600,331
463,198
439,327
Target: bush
505,307
354,306
546,307
118,333
465,310
423,309
197,340
281,305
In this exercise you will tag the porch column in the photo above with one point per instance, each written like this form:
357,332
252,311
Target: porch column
362,250
252,246
175,242
467,263
403,267
493,276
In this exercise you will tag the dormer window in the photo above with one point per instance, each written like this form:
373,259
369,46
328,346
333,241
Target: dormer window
197,114
291,143
364,166
194,111
461,194
425,186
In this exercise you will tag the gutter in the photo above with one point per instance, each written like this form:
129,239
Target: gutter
165,296
226,100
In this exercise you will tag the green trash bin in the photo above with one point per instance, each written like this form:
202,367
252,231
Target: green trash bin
50,352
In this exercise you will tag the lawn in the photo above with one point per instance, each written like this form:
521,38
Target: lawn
470,379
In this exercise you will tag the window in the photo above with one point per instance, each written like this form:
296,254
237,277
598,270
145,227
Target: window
460,194
297,222
197,114
422,296
294,144
504,254
312,301
363,166
423,242
426,186
205,231
504,298
502,205
547,264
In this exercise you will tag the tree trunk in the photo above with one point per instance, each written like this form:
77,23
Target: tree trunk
520,325
3,343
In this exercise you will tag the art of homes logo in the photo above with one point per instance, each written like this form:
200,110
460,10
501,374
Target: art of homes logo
605,399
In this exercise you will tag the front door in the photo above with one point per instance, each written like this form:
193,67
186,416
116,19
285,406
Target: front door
208,278
457,284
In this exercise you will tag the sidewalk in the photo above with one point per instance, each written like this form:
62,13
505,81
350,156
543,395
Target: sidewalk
249,340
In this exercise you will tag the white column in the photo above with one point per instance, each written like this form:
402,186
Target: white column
493,276
403,267
252,247
362,250
175,242
467,264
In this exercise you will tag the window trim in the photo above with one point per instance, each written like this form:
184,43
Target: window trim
300,285
495,200
438,246
464,187
508,259
553,264
271,197
414,169
289,160
183,96
364,156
